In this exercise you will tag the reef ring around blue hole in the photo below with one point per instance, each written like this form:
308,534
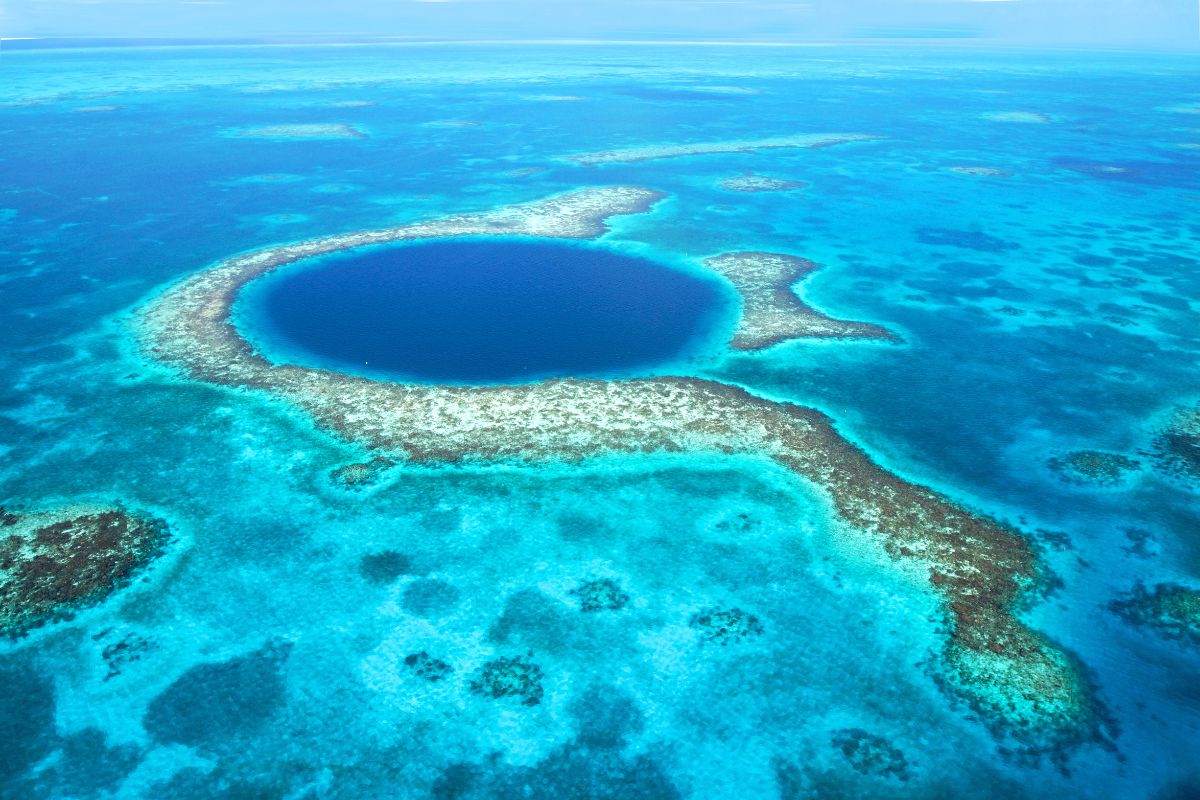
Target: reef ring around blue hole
482,311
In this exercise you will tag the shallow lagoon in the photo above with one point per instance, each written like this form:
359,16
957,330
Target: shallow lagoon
1046,302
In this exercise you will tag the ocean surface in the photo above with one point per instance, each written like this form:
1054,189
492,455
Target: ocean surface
1045,305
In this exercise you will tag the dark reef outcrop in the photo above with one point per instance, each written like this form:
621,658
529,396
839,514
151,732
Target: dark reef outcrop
427,667
1170,610
1176,448
211,706
603,594
870,754
1093,467
726,626
361,475
57,561
510,677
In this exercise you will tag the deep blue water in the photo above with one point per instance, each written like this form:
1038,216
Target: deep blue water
483,312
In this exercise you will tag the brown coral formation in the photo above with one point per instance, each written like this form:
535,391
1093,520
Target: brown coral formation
726,626
510,677
1094,467
771,311
1176,448
1021,682
1170,610
361,475
55,562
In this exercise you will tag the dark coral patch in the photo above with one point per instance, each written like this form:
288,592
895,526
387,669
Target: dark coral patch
87,766
362,475
120,653
606,717
573,772
1142,543
1170,610
967,240
1180,173
533,620
384,567
726,626
27,725
1093,467
604,594
871,754
428,667
429,597
510,677
210,705
54,563
1176,448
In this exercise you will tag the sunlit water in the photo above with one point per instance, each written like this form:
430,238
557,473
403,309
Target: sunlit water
1045,310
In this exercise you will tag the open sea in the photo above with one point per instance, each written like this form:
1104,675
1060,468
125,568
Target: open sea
1026,223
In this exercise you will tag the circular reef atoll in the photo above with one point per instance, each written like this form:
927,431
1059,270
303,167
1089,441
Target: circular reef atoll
55,562
1027,688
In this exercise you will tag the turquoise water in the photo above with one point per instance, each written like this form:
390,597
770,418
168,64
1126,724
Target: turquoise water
484,312
1048,310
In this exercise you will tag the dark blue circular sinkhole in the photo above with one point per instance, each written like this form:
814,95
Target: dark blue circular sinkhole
482,311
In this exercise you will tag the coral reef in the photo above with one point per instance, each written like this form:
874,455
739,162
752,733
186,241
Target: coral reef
1019,681
510,677
870,754
215,706
429,598
726,626
749,182
124,651
600,595
967,240
1093,467
1142,543
57,561
979,172
362,475
1027,117
304,131
384,567
1176,448
428,667
1168,609
651,152
771,311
